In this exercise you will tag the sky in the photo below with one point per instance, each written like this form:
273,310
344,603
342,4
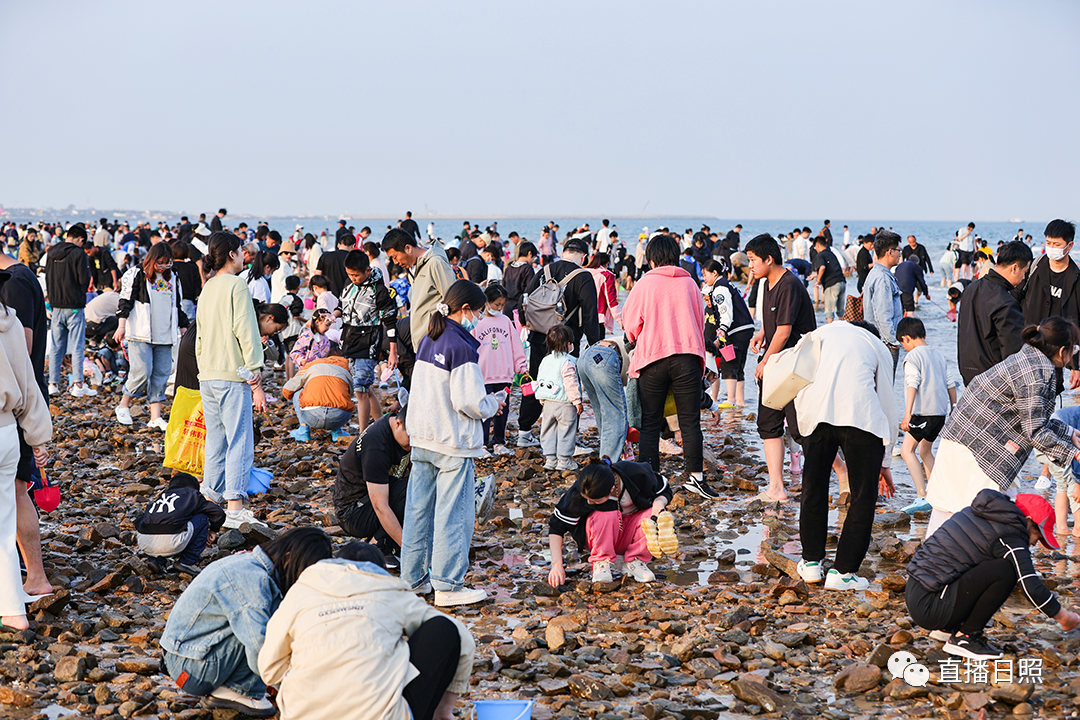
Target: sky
915,110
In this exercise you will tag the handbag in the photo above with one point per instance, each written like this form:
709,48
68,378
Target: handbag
789,371
185,436
853,308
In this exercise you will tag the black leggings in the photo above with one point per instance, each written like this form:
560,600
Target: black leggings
434,650
976,596
682,375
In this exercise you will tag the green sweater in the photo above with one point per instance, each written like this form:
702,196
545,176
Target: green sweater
227,332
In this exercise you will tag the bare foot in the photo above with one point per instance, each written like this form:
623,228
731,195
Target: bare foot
42,588
15,622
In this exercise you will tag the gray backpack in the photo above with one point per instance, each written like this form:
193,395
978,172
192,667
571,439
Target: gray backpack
544,306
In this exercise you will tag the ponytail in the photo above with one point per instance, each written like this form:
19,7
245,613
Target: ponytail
460,294
1051,335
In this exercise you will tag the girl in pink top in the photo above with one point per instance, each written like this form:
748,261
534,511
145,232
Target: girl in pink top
665,315
607,291
501,356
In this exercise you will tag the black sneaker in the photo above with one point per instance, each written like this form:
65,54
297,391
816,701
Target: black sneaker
158,565
392,561
701,487
973,647
191,570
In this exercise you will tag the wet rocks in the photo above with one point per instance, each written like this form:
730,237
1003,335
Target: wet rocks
752,689
858,677
139,665
70,669
588,688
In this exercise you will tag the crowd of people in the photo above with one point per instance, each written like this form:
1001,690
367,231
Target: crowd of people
461,328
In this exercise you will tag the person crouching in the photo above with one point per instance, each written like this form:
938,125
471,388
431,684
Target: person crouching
607,511
177,524
964,572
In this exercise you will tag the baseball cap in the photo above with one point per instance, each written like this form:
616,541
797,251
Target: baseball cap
575,245
1042,513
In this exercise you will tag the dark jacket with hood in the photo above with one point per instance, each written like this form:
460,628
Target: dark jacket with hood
1034,296
989,325
579,303
169,512
67,276
991,528
572,511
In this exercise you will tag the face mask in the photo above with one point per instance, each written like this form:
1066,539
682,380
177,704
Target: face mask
493,312
468,322
1054,253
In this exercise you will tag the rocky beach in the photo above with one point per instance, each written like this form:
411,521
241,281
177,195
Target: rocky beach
727,631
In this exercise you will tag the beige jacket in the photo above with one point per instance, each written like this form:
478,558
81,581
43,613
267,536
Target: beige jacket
339,644
431,278
20,397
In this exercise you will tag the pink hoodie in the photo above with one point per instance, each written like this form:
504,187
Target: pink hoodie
665,315
501,351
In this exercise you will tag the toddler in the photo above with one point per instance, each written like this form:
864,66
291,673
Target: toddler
557,389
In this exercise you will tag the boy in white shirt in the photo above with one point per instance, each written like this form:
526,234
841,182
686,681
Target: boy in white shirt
930,392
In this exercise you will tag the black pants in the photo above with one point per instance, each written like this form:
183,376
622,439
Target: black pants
864,453
735,370
96,332
362,522
968,603
434,650
499,421
530,409
682,374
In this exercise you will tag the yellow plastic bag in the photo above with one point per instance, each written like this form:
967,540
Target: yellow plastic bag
185,437
669,405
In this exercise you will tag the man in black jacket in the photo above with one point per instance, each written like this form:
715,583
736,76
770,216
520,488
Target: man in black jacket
1053,284
67,277
215,222
579,314
409,225
965,571
990,319
865,259
919,251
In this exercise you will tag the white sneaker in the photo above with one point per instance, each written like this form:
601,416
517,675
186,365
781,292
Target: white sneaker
424,589
526,439
669,447
551,463
236,518
579,450
53,390
223,697
601,571
566,465
640,571
159,424
845,581
1043,483
123,416
82,391
464,596
810,571
940,635
483,453
502,450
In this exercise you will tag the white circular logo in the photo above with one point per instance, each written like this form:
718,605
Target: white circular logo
899,661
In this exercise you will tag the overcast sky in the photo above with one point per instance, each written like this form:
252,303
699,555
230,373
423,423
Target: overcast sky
913,110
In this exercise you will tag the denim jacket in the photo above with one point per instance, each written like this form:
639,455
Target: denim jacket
232,596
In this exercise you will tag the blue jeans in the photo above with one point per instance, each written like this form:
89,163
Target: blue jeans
440,503
68,331
194,550
363,372
230,438
150,368
598,370
226,665
318,417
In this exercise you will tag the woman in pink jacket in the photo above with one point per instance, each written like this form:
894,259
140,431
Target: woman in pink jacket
665,316
607,291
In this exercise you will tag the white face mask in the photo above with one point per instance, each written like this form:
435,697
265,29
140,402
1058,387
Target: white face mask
493,312
1054,253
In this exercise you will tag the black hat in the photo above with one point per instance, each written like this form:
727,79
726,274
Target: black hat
341,223
576,245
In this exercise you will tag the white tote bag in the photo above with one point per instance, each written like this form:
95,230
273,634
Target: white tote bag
789,371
